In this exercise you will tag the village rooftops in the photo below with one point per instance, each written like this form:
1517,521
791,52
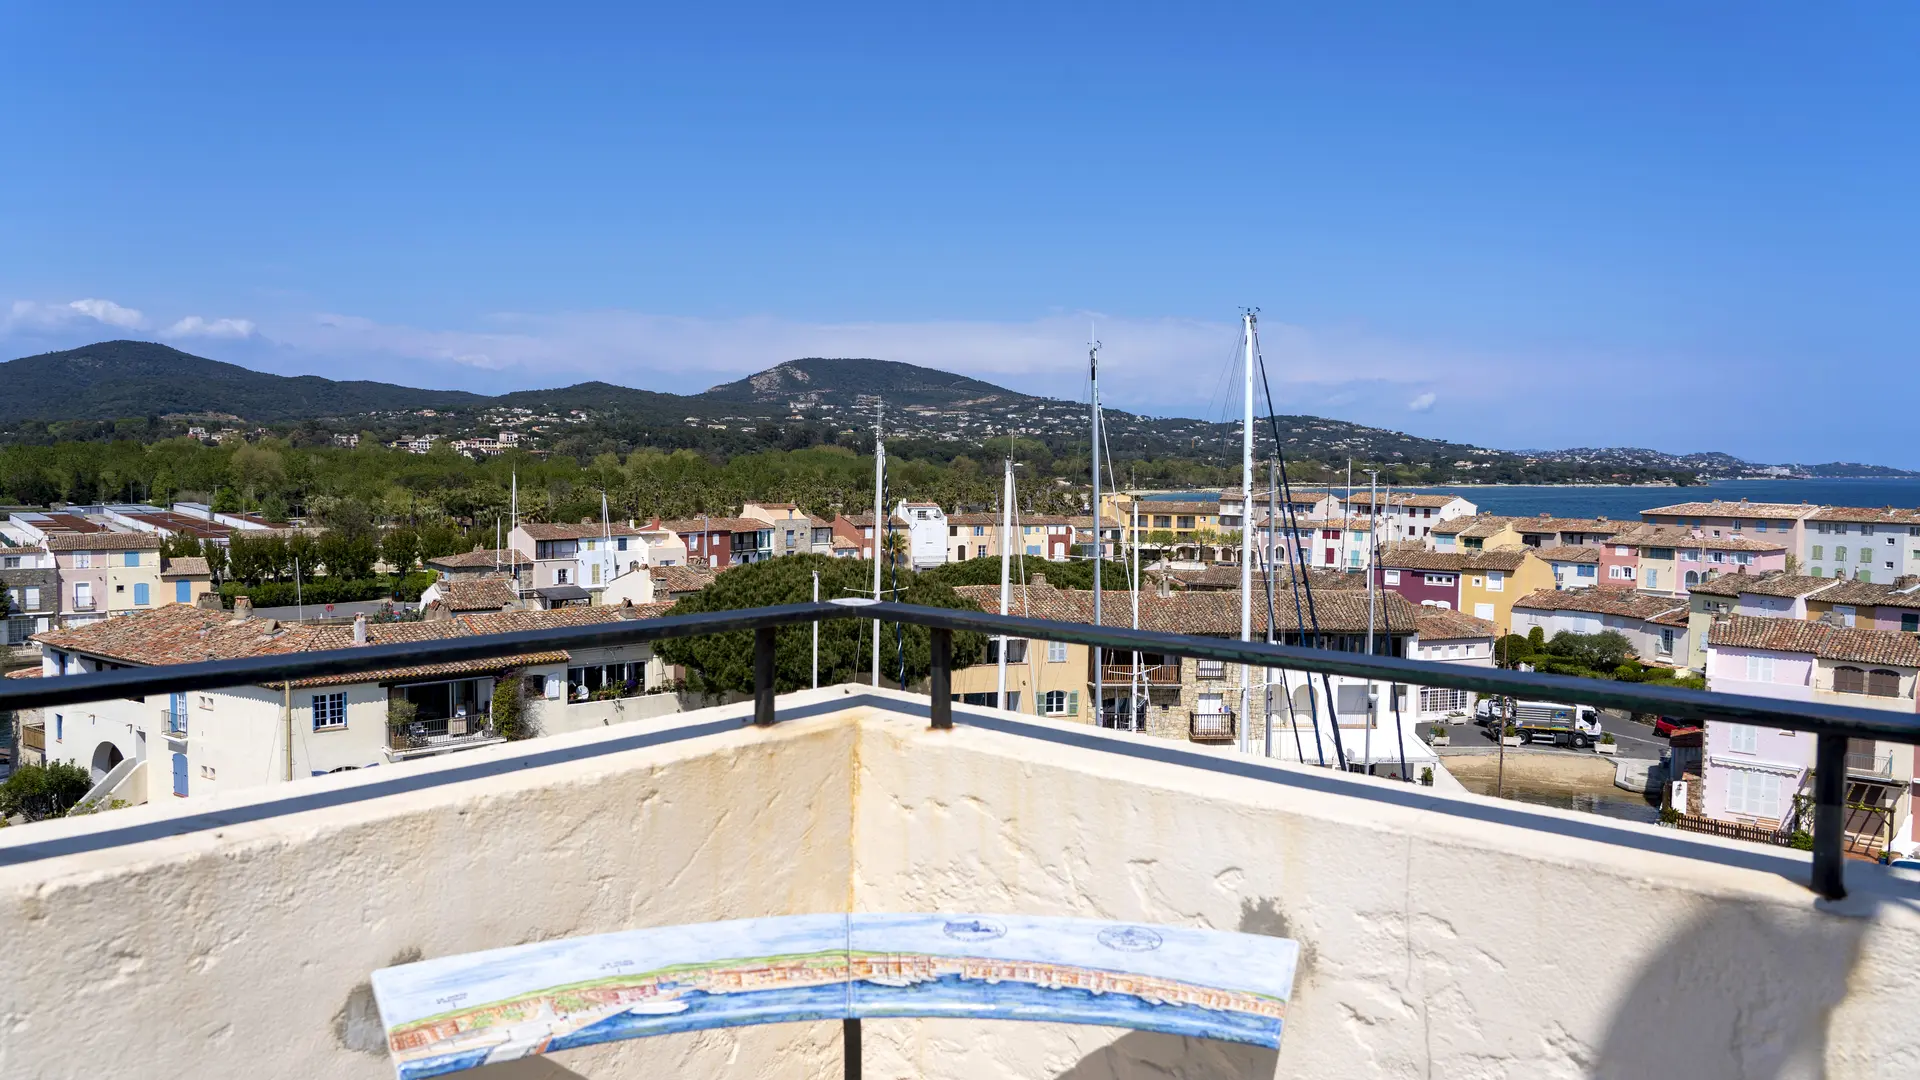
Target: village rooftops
583,531
1886,515
1219,577
479,559
1625,603
1479,526
715,525
1548,524
486,593
187,634
103,541
1442,624
1675,536
1400,498
1900,594
1777,583
678,580
1158,506
1574,553
187,566
1412,555
1721,508
1857,645
1200,612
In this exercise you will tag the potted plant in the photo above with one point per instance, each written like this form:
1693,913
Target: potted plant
1510,735
1440,737
1426,776
1607,745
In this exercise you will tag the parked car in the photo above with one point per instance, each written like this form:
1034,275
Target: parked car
1664,726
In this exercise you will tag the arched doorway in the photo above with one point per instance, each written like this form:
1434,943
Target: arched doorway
105,757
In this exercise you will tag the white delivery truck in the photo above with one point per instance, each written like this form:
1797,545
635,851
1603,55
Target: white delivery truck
1561,725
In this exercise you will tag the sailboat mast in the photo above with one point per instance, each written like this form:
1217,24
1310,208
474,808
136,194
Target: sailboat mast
1006,568
513,502
1099,682
1136,687
1373,547
1246,530
879,492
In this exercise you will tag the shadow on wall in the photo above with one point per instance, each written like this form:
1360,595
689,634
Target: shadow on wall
1150,1055
1737,992
527,1068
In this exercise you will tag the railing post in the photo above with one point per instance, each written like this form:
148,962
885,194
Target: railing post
940,683
763,675
850,1048
1829,816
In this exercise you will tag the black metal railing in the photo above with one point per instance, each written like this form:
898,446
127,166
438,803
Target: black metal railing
1210,725
1832,724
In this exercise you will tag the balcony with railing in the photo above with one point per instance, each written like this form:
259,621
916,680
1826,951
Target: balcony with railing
867,799
1210,725
1151,674
421,738
1870,763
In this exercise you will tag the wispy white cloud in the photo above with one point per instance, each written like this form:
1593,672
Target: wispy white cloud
108,312
195,326
1423,402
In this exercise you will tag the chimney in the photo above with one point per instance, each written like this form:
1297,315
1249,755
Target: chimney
360,629
1039,580
209,601
242,607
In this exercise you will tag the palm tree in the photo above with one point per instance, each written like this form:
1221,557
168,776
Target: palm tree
894,547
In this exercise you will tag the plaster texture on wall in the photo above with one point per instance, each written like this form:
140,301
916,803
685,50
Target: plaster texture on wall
1442,935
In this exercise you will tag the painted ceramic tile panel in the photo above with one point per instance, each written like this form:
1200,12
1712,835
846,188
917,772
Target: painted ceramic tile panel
1205,983
459,1012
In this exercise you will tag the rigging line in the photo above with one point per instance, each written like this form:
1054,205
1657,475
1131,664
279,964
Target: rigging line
1286,692
1301,581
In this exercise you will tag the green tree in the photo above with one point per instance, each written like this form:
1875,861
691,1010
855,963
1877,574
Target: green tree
37,792
1604,651
724,662
400,547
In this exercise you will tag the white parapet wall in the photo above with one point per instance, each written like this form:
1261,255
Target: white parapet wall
1443,935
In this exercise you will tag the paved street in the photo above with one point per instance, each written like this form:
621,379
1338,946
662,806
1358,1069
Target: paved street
1635,740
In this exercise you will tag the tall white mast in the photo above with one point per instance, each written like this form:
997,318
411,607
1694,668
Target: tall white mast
1136,690
1006,569
1373,533
514,510
879,492
1099,683
1246,531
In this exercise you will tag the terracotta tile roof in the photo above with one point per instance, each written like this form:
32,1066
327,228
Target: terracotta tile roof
675,580
1228,577
487,593
971,519
103,541
1578,553
1777,583
479,559
1675,536
25,673
1625,603
1508,559
1478,526
1741,509
1215,614
1886,515
714,524
1403,499
185,634
187,566
1158,506
1413,555
1821,640
581,531
1866,594
1440,624
1548,524
1728,585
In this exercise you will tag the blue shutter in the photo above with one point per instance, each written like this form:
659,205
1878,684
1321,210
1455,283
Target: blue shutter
182,592
133,558
140,597
180,775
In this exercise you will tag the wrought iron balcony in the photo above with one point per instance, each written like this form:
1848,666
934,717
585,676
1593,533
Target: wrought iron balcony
1210,726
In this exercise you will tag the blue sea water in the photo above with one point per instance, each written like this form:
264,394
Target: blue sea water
951,995
1624,503
948,996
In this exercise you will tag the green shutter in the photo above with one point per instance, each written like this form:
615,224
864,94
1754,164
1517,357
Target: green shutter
1073,703
1818,552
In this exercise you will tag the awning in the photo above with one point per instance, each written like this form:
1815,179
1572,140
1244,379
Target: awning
563,593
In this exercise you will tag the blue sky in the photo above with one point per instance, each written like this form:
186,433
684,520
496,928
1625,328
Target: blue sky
1684,225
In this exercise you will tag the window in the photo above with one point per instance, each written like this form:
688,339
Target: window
141,598
1439,579
1866,530
1839,554
1016,651
132,559
83,596
1185,522
1816,572
1849,680
560,577
1210,669
1760,526
1666,640
1819,551
33,597
586,680
1910,622
329,711
206,772
1056,652
1437,700
182,592
1476,581
1496,581
1393,577
1622,549
1061,702
176,714
1883,683
83,560
1759,668
1754,793
1653,579
1863,575
59,727
1743,738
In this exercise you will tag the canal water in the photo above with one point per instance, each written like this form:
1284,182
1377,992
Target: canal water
1611,802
